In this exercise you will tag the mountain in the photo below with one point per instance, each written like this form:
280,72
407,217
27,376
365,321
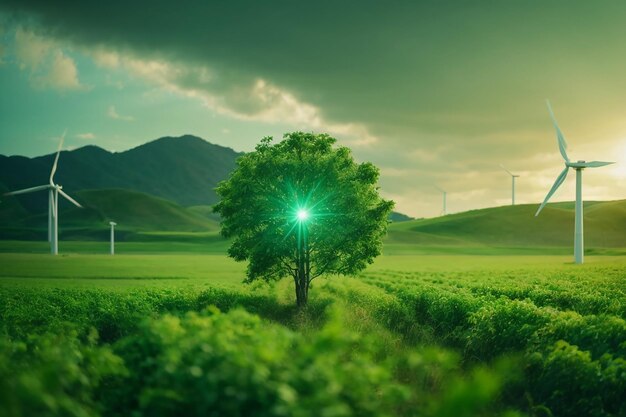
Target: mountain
517,226
182,169
395,217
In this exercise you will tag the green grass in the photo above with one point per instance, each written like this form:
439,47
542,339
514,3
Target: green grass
121,271
212,246
201,269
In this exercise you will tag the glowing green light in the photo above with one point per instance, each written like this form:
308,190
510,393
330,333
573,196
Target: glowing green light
302,215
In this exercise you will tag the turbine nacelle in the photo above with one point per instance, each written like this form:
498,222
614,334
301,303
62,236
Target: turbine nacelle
584,164
509,172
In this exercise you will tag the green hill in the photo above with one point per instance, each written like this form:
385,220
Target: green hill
140,211
517,226
134,212
143,217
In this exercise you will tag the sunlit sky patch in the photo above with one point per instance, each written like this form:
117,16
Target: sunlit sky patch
431,92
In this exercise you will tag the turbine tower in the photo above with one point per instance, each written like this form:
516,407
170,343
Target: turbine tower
578,166
53,202
513,176
445,194
112,224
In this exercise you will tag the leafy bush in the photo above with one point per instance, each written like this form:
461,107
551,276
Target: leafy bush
503,326
570,383
54,375
235,364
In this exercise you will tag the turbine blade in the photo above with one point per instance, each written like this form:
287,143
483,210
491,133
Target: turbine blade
559,135
28,190
70,199
56,159
509,172
437,187
596,164
557,183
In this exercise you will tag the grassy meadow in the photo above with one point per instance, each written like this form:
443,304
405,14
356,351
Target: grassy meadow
161,328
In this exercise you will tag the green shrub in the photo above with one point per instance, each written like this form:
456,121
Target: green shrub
235,364
503,326
566,380
53,375
596,334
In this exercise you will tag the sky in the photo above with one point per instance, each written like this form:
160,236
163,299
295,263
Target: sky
435,93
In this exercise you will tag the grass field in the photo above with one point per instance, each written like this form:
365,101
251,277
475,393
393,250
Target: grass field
428,334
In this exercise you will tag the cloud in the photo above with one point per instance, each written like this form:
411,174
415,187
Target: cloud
49,66
257,100
31,50
62,74
113,114
86,136
104,58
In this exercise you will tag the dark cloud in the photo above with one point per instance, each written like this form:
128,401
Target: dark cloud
397,63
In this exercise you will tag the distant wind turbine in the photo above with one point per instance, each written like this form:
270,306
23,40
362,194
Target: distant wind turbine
513,176
113,224
445,194
578,166
53,202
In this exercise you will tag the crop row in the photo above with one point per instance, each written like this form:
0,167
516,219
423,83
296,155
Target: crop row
171,352
573,342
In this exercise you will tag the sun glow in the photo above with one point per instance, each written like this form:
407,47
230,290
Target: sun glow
302,215
619,169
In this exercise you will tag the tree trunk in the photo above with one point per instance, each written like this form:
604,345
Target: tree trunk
302,284
302,293
302,275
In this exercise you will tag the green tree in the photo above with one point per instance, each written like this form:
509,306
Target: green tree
302,208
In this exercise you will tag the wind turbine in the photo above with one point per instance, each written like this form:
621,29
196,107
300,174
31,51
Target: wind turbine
445,194
513,176
113,224
578,166
53,202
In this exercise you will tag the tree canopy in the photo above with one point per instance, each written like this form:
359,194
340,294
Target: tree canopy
302,208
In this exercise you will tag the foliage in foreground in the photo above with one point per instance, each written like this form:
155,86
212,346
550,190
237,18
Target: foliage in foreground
54,374
567,328
236,364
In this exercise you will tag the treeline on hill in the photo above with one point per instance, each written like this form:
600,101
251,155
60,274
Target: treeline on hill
541,344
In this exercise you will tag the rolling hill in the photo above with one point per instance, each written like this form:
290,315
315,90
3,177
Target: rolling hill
135,213
516,226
